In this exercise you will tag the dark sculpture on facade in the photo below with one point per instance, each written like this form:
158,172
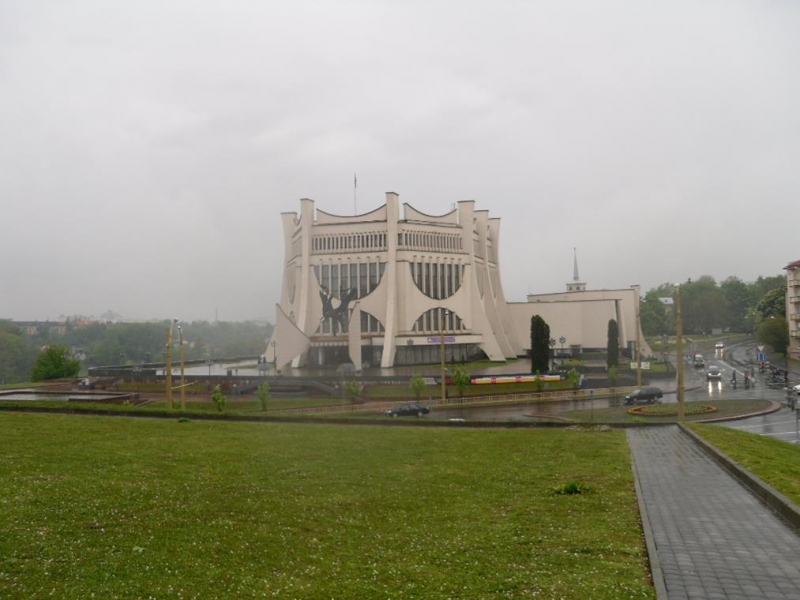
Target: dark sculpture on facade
341,314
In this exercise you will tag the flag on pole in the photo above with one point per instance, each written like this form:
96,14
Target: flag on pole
355,180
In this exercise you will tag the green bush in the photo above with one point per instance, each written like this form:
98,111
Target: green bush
219,399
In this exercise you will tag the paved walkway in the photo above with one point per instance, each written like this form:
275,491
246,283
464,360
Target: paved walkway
713,538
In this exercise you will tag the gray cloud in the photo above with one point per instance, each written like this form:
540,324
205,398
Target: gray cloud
149,147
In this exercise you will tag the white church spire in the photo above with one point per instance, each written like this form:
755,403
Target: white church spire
576,285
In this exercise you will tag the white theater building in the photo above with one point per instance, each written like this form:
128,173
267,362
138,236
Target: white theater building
396,286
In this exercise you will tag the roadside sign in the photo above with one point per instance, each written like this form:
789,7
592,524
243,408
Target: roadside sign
760,348
761,357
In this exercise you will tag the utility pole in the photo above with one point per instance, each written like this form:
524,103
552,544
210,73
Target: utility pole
679,352
168,361
638,347
183,361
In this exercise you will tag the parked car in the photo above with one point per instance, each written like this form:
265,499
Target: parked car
645,395
713,373
407,410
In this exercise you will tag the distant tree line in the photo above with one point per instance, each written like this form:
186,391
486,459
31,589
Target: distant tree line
101,344
731,305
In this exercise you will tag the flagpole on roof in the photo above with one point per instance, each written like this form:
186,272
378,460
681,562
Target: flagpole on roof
355,188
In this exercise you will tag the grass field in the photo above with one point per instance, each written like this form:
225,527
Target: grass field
620,414
774,461
247,406
130,508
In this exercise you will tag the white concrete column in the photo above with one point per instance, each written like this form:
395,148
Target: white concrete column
392,218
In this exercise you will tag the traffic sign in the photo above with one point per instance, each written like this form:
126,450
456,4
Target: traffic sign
761,357
760,348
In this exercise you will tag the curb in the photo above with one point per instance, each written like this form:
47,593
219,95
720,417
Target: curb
656,572
771,497
776,406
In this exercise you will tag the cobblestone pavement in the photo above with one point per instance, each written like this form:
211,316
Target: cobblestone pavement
713,538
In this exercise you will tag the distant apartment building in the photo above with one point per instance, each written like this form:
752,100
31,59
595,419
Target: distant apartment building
42,327
793,307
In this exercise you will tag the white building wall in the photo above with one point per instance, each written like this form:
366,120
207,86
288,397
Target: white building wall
458,238
584,315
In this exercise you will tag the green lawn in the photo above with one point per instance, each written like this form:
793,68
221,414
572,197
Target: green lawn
619,414
235,405
774,461
130,508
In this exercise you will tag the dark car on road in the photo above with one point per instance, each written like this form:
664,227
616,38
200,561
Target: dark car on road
645,395
713,373
412,409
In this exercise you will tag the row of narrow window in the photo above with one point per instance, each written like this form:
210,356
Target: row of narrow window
438,319
349,241
425,240
340,278
437,280
377,240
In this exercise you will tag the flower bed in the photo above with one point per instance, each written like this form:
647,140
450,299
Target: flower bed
670,410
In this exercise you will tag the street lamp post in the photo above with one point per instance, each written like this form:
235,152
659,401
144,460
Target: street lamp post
137,374
562,340
168,363
443,315
552,343
183,362
679,353
275,355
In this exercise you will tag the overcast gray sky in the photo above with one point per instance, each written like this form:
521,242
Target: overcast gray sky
148,147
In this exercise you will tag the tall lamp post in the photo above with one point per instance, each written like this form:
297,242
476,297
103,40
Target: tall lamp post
137,374
443,315
183,380
168,363
552,343
638,349
562,340
679,352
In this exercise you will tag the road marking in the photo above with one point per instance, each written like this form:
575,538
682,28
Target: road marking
771,424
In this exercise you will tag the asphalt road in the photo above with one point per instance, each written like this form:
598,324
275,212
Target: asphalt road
782,424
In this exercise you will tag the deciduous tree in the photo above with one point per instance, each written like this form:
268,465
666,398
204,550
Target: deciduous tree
55,362
263,395
416,384
218,398
461,378
775,333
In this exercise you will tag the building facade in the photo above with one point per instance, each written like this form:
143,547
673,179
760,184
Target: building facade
578,318
793,307
391,287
